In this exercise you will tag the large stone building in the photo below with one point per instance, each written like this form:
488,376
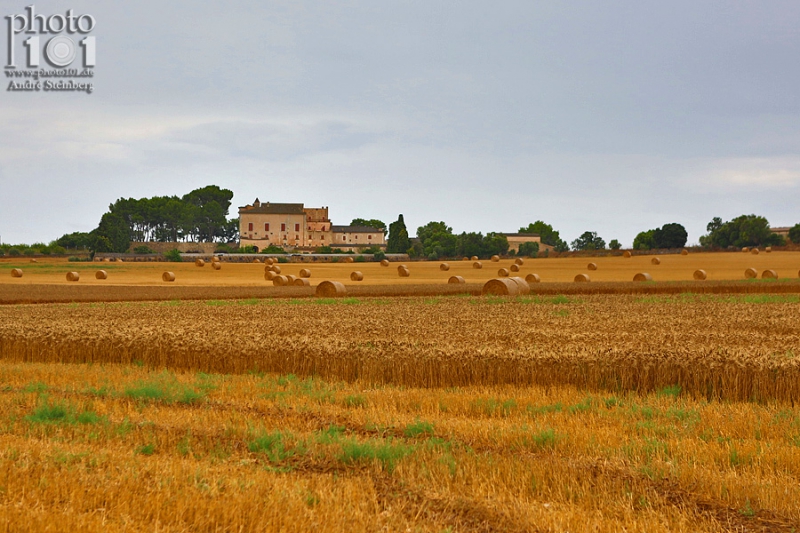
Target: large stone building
293,226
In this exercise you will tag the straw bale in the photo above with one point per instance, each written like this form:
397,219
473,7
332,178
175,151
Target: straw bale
684,252
754,251
403,271
256,260
519,261
34,261
465,258
16,272
348,259
269,261
592,266
291,279
495,258
514,268
582,278
276,269
101,274
199,263
474,258
745,249
503,272
444,267
768,249
384,262
533,278
301,282
477,264
280,281
700,275
119,260
329,289
356,276
626,254
456,279
73,276
751,273
501,287
269,275
655,261
769,274
216,265
305,273
523,286
642,276
168,276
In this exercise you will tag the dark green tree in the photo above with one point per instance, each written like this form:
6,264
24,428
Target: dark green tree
437,240
644,240
75,240
745,230
794,234
547,233
614,244
494,244
671,235
528,249
589,240
398,241
112,234
370,223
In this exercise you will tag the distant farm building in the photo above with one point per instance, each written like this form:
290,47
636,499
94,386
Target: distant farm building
782,231
515,239
293,226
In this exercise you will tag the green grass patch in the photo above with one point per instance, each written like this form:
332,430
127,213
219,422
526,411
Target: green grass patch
35,386
164,388
277,446
418,428
355,400
61,413
146,449
545,439
388,453
492,406
670,391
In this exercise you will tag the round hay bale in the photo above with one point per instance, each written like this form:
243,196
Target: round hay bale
456,279
523,286
119,260
276,269
16,272
34,261
101,274
626,254
256,260
384,262
495,258
291,278
768,249
348,259
533,278
330,289
356,276
474,258
754,251
751,273
465,258
280,281
168,276
514,268
403,271
269,275
642,276
655,261
216,265
745,249
199,263
301,282
444,267
269,261
684,252
699,275
305,273
477,264
107,259
519,261
503,272
501,287
73,276
582,278
592,266
769,274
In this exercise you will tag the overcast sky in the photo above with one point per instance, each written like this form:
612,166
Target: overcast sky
614,117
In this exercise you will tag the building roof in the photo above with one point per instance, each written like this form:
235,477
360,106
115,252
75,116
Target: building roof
521,234
268,208
784,229
355,229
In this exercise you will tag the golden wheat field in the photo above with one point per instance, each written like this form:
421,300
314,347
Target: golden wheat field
673,409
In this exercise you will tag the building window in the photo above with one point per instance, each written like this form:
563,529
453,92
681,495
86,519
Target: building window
369,237
249,226
297,237
266,226
322,237
356,237
297,227
283,227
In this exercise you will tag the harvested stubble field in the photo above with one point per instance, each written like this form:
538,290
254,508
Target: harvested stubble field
666,406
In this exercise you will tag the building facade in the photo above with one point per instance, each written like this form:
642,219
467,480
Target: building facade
293,226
